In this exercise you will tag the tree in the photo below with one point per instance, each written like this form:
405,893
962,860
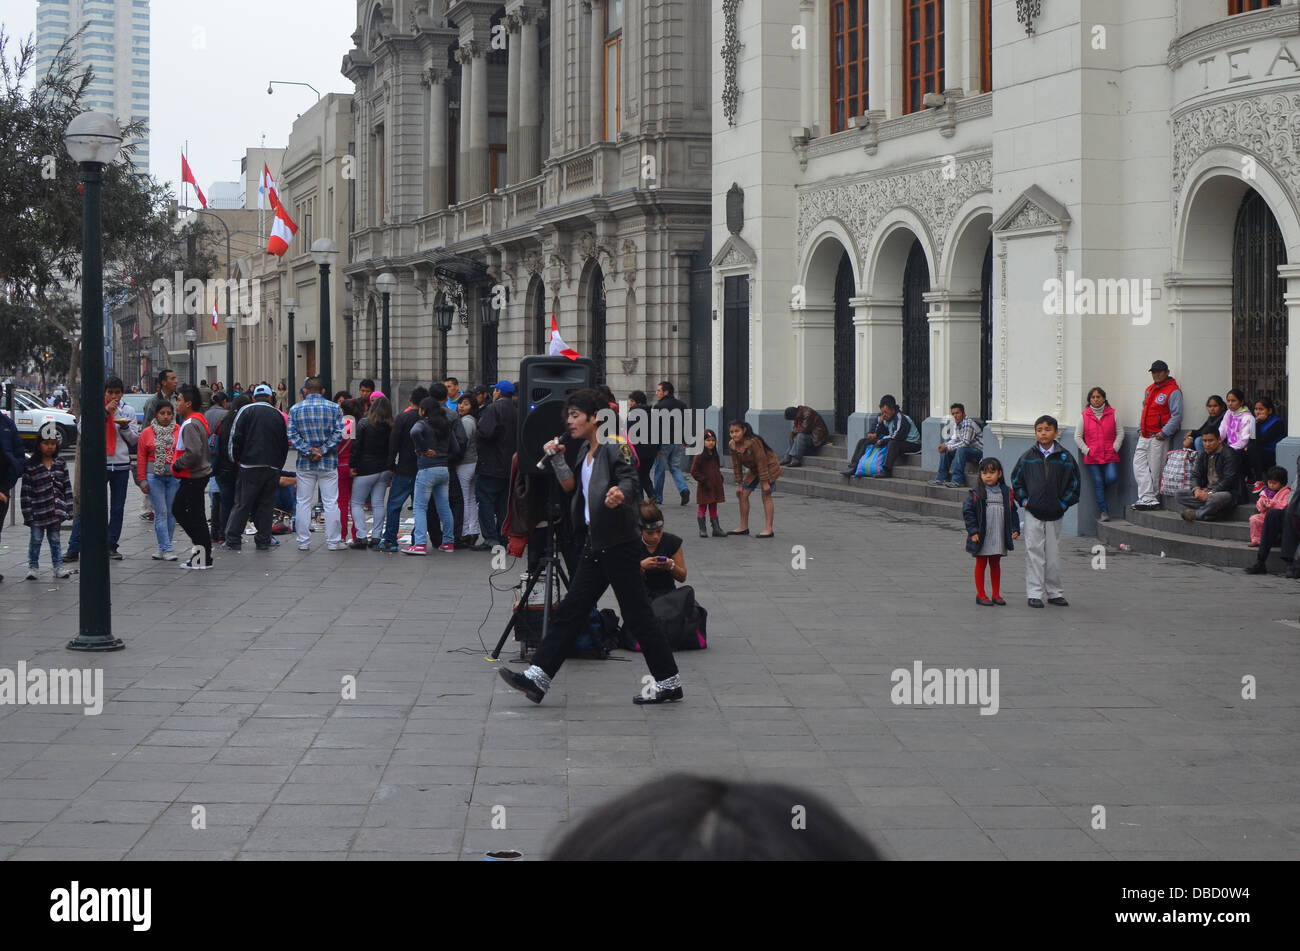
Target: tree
41,205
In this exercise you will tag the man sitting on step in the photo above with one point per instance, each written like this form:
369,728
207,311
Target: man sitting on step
809,434
1217,477
894,430
961,444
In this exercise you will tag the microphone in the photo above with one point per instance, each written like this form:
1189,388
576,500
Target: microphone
541,465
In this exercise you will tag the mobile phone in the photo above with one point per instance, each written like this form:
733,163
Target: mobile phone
662,560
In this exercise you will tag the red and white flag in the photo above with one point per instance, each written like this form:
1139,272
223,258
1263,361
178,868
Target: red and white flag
188,176
214,313
265,188
282,229
558,347
135,332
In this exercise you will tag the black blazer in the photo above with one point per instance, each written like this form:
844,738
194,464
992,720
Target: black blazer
614,465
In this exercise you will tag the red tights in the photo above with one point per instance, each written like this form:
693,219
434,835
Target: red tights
995,574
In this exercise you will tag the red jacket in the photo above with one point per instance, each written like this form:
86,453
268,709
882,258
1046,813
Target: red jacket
1155,407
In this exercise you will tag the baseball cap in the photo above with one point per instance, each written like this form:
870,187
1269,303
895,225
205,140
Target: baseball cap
262,390
506,387
1159,366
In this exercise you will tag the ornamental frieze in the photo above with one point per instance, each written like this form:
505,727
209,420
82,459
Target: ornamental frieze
1265,126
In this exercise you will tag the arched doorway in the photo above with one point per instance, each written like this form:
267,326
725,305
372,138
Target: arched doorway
597,330
541,325
845,345
916,336
986,336
1259,313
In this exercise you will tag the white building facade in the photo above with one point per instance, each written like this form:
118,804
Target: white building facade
917,176
551,155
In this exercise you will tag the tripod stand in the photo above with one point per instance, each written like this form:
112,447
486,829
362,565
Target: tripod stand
549,567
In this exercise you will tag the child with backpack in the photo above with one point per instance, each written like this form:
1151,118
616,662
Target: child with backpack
46,503
992,525
706,470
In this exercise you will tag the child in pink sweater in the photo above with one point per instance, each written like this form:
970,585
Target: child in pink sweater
1276,495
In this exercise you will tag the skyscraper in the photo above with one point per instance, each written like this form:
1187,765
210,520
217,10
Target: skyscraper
115,43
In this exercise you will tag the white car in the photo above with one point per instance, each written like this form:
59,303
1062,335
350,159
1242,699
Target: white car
31,415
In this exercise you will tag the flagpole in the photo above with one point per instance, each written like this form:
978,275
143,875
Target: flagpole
185,185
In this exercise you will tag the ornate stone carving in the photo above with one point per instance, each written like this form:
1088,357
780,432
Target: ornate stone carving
1031,216
629,366
467,51
560,263
1265,126
533,263
859,206
1027,11
629,262
731,48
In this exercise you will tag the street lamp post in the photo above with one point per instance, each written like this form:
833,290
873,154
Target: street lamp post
323,252
491,317
386,283
445,315
190,337
230,349
92,140
291,304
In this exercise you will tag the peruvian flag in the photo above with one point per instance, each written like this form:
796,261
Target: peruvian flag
558,347
282,229
214,313
188,176
135,332
266,187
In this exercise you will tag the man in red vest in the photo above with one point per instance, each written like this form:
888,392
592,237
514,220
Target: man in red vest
1162,414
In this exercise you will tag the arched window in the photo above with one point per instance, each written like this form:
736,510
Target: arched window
849,48
922,51
1245,6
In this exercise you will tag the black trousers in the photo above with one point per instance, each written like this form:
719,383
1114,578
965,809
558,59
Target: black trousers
1277,525
190,510
646,456
618,567
254,497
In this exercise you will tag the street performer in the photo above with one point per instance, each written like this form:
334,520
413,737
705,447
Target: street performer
606,506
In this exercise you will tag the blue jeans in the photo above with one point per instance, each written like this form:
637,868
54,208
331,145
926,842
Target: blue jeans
162,492
398,493
493,496
956,460
117,483
1103,475
432,481
670,460
39,534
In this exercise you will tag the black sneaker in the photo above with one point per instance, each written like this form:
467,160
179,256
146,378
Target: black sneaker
1257,568
72,557
660,696
1035,603
1059,602
525,685
686,496
113,554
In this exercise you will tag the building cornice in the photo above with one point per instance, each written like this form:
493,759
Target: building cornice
1258,24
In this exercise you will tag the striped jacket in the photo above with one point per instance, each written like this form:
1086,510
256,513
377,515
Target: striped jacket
46,494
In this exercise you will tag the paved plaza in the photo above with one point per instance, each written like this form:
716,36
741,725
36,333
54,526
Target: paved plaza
229,697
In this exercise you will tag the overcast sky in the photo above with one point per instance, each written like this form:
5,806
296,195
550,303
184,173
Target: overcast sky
215,95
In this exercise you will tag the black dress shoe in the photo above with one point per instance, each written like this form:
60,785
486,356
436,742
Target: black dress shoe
71,558
980,599
525,685
1292,571
999,602
1035,603
1257,568
660,696
1059,602
686,496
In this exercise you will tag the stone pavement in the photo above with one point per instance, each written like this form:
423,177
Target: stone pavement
228,696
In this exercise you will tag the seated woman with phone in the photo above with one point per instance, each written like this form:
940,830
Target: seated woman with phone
664,564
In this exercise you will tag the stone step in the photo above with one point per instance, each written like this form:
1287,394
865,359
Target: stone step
1187,547
901,483
1236,528
872,492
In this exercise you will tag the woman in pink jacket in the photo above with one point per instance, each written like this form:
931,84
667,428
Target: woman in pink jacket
1099,436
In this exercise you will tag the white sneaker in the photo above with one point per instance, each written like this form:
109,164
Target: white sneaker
188,567
304,547
158,555
336,547
31,575
169,556
62,572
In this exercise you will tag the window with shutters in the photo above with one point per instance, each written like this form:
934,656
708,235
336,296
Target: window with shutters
613,68
1246,6
849,52
922,51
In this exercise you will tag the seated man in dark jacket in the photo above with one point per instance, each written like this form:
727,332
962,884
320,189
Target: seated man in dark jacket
809,434
1218,481
606,507
895,430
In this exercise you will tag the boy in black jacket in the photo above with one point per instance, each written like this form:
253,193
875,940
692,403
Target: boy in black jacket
1046,484
606,505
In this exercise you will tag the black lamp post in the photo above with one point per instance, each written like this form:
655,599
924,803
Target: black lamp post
291,304
491,316
386,283
445,315
230,349
92,140
323,252
190,336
